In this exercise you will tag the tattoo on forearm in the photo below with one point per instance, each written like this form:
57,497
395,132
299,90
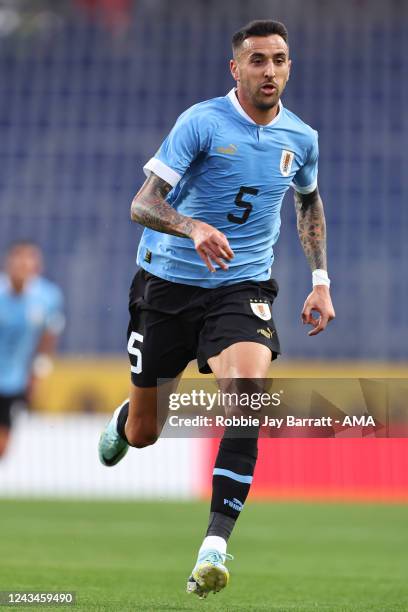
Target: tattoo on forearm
311,227
149,208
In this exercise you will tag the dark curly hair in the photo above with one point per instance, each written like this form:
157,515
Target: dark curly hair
260,27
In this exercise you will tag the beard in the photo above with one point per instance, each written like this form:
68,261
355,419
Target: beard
260,100
264,102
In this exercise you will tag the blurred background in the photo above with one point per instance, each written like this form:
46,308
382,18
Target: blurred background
91,87
89,90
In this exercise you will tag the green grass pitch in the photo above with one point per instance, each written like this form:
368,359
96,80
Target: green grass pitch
137,556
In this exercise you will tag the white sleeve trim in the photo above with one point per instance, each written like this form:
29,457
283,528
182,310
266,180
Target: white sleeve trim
164,172
56,324
308,189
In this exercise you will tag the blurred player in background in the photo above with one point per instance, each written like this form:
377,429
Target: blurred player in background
211,206
31,319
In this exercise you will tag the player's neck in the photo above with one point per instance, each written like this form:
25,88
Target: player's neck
17,286
260,116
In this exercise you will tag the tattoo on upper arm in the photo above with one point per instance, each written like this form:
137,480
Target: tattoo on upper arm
149,208
311,226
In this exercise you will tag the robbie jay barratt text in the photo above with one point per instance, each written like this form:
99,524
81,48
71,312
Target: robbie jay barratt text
289,421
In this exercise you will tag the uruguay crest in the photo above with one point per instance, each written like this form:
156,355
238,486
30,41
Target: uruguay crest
286,162
261,309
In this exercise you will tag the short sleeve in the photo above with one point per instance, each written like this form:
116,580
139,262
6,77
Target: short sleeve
55,318
179,149
305,180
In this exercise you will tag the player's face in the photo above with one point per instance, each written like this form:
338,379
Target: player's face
261,69
23,263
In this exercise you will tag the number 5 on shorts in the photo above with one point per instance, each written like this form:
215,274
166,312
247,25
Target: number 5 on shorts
136,352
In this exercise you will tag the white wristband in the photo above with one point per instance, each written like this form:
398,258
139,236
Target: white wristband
42,365
319,277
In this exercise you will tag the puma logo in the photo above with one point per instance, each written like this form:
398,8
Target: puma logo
230,150
268,333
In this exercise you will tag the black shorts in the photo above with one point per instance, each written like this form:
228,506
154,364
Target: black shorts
6,406
172,324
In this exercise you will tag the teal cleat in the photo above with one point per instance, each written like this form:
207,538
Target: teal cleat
112,448
209,574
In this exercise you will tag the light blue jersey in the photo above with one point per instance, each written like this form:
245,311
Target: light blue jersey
229,172
24,318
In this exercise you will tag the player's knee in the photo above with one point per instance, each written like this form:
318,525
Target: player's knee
240,380
140,437
243,372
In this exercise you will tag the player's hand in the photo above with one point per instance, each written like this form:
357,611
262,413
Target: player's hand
318,301
211,245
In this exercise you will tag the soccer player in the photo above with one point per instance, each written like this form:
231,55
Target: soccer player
31,318
211,209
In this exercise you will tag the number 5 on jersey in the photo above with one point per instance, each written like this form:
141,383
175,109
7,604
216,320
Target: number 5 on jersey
135,352
243,204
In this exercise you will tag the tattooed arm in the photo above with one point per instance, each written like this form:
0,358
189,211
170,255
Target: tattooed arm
311,227
149,208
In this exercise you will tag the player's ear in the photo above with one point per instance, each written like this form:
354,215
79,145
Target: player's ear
234,69
289,67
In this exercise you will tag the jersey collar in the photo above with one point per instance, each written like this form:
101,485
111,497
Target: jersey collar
6,284
235,103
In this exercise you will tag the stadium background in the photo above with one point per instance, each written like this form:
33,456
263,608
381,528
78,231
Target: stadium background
89,90
85,104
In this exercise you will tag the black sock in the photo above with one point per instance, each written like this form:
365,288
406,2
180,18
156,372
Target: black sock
121,422
220,525
232,477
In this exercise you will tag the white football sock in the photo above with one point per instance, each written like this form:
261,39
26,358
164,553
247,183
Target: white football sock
214,543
